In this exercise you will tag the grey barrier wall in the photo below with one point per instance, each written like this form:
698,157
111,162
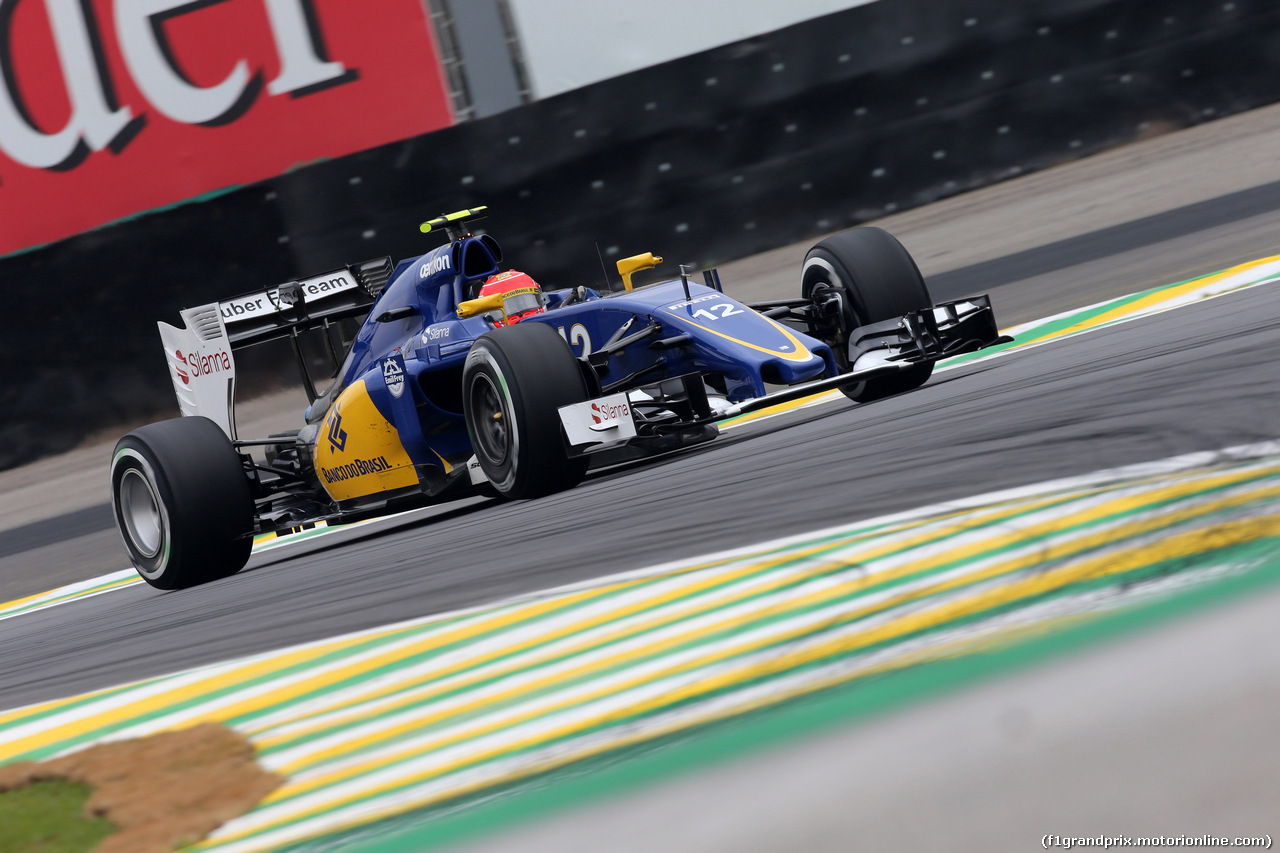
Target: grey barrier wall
746,147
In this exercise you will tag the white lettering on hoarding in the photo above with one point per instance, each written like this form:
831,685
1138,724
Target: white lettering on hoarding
150,62
303,66
97,122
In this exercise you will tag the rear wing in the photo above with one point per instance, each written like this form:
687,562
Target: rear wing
199,354
295,306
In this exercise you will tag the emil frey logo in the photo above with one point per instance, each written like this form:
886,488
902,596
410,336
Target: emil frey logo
393,375
337,435
440,262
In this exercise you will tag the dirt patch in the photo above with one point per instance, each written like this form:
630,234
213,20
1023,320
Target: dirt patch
161,791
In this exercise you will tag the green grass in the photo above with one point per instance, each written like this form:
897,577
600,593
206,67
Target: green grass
48,817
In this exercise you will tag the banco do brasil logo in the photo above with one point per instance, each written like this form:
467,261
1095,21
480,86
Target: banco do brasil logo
337,435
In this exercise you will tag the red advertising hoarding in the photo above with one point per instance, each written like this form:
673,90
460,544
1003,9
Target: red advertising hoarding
112,107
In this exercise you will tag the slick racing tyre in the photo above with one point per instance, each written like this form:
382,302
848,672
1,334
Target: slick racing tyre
514,380
879,281
182,502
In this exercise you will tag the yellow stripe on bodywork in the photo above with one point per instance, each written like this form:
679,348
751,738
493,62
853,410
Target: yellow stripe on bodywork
801,354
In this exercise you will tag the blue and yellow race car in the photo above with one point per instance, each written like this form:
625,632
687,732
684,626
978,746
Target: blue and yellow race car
464,377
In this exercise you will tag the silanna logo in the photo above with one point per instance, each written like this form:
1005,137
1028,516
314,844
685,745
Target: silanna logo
337,435
193,364
605,415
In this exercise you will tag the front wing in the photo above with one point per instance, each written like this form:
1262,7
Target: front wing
877,349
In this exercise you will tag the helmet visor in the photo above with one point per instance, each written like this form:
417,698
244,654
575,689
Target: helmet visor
518,303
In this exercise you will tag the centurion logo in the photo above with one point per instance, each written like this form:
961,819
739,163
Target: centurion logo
358,468
439,262
194,364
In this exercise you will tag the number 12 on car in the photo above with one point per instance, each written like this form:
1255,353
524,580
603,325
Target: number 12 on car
725,309
577,336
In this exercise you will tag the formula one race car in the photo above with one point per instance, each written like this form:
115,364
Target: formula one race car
463,378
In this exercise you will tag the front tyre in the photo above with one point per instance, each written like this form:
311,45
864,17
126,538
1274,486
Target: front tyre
877,280
182,502
514,381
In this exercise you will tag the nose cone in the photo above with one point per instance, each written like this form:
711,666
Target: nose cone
782,356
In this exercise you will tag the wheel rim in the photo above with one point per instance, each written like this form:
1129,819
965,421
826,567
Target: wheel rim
140,510
820,273
491,420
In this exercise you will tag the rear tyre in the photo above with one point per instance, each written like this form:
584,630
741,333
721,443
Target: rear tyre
182,502
514,380
878,281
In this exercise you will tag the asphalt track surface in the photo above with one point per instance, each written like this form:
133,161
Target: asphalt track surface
1191,240
1197,378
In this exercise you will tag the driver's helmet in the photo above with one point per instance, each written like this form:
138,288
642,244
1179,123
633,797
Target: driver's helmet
521,297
